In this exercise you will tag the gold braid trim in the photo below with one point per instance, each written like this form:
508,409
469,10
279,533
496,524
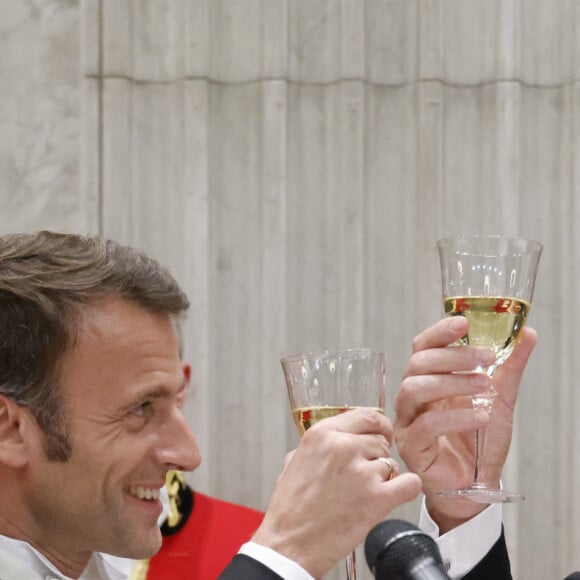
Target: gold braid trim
140,570
174,482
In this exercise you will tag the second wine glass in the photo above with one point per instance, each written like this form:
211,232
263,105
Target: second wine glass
489,280
325,384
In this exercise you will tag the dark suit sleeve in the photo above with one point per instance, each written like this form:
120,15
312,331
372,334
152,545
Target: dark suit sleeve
245,568
496,564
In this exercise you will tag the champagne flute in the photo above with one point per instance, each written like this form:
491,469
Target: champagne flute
489,280
325,384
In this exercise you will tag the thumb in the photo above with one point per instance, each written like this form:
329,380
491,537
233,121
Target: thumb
509,375
402,489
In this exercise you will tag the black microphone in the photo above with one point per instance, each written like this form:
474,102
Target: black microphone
573,576
398,550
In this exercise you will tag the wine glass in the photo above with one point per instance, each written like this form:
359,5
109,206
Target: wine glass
489,279
324,384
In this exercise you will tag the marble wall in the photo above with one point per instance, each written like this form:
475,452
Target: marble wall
294,162
40,116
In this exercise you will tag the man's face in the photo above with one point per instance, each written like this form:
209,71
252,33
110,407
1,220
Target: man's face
122,389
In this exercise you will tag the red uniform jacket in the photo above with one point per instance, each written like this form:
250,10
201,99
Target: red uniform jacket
205,541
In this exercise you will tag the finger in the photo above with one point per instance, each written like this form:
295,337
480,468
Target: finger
443,332
517,361
367,446
288,457
449,359
373,446
428,427
358,421
399,490
417,392
508,376
387,468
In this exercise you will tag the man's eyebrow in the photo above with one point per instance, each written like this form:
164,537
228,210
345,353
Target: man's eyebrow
156,393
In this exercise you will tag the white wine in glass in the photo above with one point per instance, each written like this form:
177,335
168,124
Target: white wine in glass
495,323
489,280
305,417
325,384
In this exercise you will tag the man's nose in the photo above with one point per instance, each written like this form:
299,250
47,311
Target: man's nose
179,449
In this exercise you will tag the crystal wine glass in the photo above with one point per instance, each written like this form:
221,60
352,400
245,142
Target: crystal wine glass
489,280
324,384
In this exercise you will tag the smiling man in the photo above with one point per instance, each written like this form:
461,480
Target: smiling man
91,390
90,418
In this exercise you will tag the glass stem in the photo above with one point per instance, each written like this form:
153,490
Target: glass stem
480,439
485,403
350,562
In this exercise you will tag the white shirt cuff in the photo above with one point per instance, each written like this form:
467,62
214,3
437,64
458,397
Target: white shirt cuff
466,545
283,566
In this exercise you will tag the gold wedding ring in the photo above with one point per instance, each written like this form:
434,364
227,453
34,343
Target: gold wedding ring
390,463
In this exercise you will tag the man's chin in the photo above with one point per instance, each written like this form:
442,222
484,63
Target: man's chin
150,548
139,548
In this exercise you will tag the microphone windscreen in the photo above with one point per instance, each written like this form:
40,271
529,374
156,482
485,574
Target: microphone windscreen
396,545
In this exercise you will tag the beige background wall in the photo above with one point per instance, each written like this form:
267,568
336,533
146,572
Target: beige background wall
293,162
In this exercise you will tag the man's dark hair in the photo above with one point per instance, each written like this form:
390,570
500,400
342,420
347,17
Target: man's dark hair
46,279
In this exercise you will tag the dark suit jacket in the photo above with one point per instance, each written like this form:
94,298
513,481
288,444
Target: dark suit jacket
495,565
245,568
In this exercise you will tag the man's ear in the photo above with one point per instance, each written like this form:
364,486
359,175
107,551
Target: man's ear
186,367
13,445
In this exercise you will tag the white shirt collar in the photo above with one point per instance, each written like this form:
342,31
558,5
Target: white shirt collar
23,556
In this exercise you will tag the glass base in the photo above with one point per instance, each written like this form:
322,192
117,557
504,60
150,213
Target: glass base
484,495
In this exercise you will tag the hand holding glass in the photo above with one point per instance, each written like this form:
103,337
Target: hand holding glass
489,280
324,384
